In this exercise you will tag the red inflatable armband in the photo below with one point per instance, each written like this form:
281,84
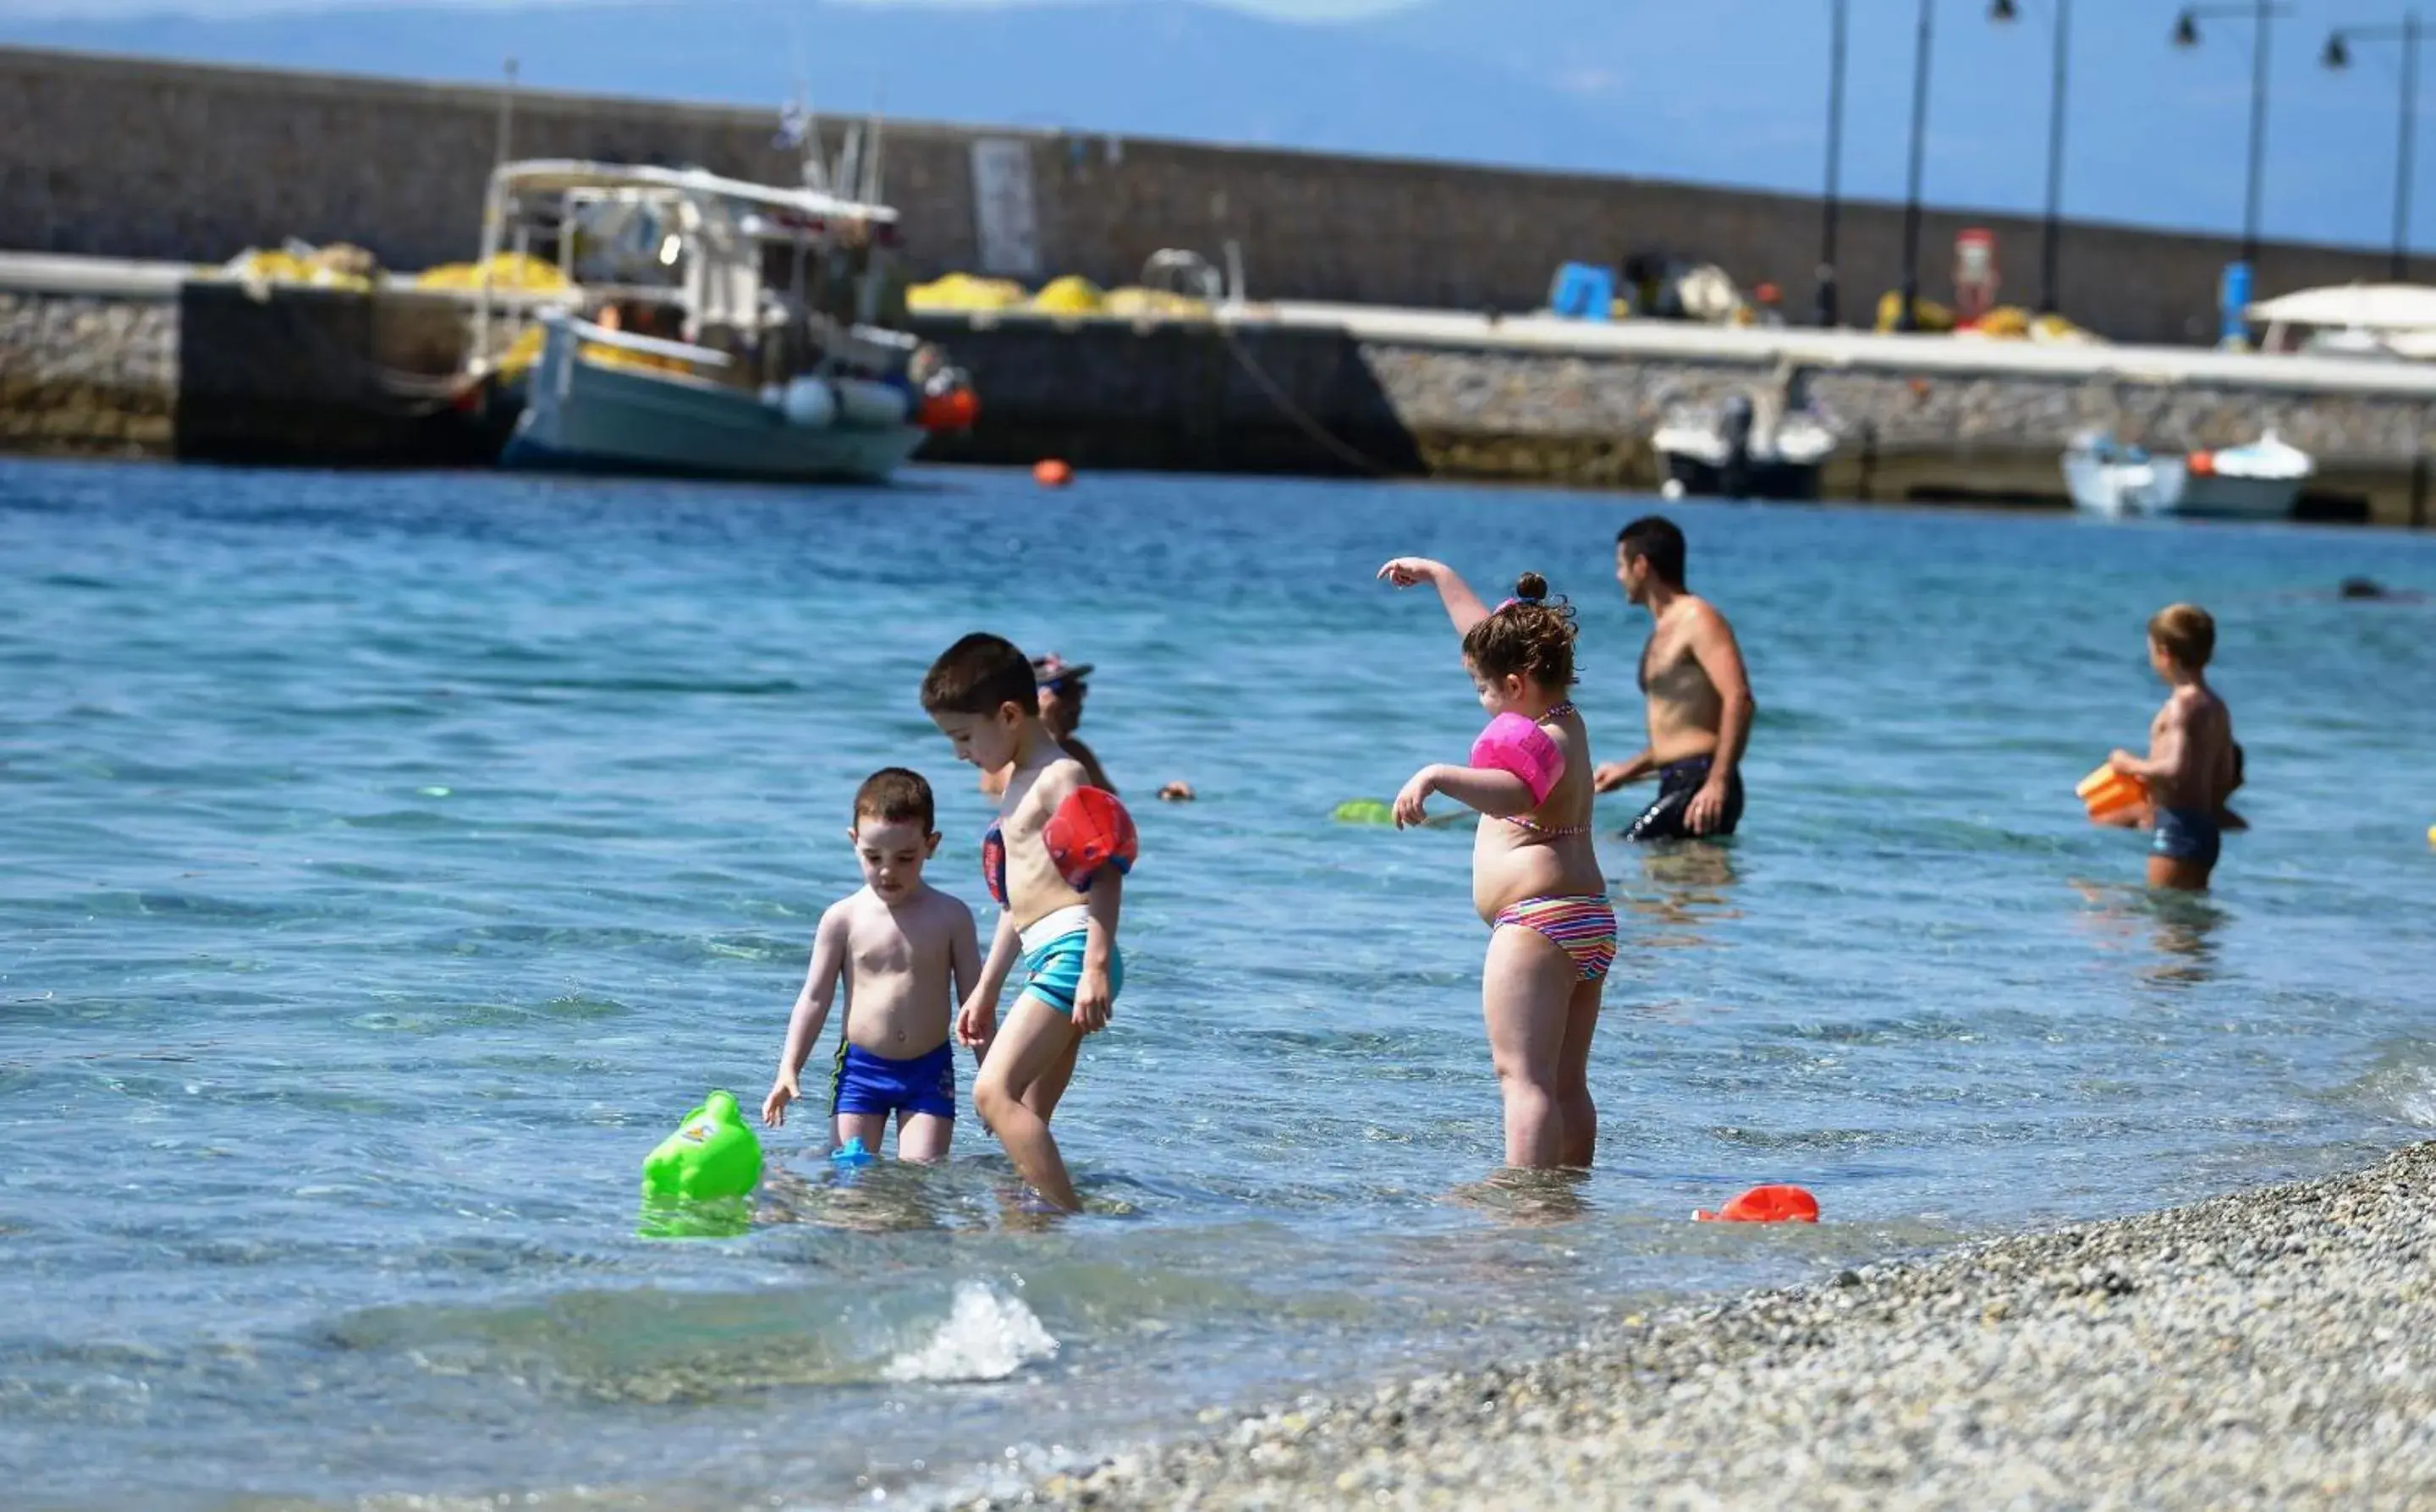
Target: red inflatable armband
1090,830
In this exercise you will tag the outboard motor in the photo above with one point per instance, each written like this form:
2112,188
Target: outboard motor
1734,420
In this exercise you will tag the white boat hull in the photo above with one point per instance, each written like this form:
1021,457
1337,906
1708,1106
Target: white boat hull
2166,486
600,417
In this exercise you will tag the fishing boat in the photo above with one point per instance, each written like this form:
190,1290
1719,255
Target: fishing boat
2260,481
702,326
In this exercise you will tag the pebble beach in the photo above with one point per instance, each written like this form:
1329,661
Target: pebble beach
2270,1348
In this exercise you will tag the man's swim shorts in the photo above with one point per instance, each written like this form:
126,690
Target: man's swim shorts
1679,783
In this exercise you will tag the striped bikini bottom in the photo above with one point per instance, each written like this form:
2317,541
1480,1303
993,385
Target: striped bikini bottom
1583,927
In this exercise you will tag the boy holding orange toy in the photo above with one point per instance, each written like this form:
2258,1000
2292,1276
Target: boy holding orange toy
2192,766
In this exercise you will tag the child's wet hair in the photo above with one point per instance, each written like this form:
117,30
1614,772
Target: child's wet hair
894,795
2187,632
980,674
1528,635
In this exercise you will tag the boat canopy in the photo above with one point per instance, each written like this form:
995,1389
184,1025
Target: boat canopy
2397,319
566,175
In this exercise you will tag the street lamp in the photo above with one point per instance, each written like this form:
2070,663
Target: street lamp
1909,319
2003,13
1827,311
2187,34
2339,56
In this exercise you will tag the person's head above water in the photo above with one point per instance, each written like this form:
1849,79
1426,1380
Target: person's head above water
1524,645
893,831
981,693
1651,549
1062,686
2182,634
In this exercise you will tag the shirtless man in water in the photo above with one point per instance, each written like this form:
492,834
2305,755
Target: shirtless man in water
1699,696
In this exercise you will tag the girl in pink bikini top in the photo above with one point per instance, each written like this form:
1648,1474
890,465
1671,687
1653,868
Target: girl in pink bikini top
1552,928
1522,746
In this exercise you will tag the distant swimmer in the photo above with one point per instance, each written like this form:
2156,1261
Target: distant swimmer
2371,590
1699,693
2192,765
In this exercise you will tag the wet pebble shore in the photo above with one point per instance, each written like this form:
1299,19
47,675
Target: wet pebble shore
2272,1349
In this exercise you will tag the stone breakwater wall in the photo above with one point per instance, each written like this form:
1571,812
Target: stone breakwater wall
86,375
211,368
126,158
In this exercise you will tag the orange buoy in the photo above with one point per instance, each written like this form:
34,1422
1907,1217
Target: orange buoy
2201,464
1051,472
2108,791
1767,1205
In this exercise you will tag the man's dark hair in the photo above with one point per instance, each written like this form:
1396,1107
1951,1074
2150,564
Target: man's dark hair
1655,539
980,674
893,795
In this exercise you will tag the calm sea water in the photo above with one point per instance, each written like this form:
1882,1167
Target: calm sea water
388,862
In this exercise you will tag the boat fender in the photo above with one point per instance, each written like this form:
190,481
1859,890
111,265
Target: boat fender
862,402
810,403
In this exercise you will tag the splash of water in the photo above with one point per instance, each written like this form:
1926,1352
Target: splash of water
985,1337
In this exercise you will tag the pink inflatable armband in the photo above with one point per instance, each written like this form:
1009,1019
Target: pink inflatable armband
1513,743
1090,830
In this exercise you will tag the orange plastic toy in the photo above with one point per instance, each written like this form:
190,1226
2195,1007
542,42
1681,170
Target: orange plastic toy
1051,472
2109,792
1767,1205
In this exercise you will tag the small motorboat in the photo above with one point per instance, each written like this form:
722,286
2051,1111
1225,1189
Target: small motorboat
2260,481
1728,450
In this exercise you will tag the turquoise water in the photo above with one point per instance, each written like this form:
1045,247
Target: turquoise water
391,861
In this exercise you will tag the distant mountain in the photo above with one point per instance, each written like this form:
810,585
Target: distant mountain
1721,91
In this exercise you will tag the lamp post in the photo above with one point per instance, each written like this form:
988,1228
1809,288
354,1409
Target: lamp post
2005,12
1828,302
2339,56
1909,319
2187,35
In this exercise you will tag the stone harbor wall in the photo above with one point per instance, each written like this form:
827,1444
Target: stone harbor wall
129,158
88,374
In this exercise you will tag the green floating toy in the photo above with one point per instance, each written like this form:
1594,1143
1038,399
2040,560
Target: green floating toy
714,1154
1364,812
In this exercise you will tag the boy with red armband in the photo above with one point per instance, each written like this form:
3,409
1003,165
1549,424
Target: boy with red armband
1055,862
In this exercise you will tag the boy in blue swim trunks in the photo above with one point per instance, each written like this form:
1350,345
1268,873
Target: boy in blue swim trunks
1054,861
906,952
2191,766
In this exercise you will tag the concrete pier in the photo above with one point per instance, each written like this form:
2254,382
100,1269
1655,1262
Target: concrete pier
1358,390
